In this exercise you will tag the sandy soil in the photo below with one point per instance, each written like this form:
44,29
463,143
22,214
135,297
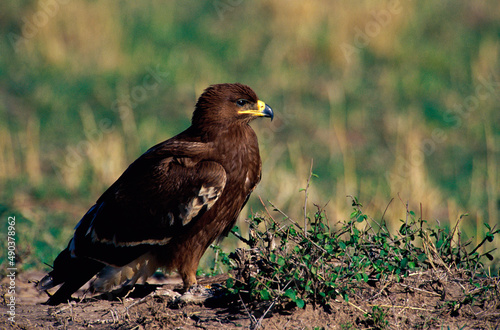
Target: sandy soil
428,301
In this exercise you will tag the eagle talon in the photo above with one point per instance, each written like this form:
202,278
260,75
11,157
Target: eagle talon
195,294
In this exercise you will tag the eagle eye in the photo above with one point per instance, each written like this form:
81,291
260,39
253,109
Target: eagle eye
241,102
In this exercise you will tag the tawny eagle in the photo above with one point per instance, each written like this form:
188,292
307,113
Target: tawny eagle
171,203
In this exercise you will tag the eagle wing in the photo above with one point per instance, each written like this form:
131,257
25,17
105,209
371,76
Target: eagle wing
159,196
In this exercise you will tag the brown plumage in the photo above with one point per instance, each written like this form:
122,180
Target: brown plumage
171,203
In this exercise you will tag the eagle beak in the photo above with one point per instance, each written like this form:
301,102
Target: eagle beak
263,111
267,111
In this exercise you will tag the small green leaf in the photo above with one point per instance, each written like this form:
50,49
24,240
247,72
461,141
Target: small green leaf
264,294
300,303
404,229
439,243
487,226
281,261
422,257
290,293
301,189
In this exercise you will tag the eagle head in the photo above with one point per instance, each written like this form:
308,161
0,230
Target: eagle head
228,104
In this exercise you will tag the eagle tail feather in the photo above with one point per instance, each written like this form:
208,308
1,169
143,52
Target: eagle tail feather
72,272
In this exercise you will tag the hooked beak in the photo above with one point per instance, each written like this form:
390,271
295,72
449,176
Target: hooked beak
263,111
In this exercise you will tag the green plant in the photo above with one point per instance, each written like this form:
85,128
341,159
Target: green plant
287,265
346,326
221,260
377,318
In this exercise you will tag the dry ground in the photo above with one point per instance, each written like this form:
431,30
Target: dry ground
427,300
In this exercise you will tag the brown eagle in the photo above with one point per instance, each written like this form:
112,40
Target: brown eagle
171,203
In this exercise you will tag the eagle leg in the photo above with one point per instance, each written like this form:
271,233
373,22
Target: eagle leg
188,275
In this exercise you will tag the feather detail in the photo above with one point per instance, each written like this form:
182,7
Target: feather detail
110,277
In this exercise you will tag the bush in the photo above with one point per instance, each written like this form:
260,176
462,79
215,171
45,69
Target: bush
289,265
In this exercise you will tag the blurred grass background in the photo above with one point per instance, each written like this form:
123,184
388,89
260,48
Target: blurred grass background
388,97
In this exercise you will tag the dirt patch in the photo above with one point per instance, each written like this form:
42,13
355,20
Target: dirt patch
422,300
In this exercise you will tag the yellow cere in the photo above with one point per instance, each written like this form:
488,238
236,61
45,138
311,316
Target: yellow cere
255,112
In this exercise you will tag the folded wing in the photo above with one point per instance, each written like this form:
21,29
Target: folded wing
148,205
158,197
